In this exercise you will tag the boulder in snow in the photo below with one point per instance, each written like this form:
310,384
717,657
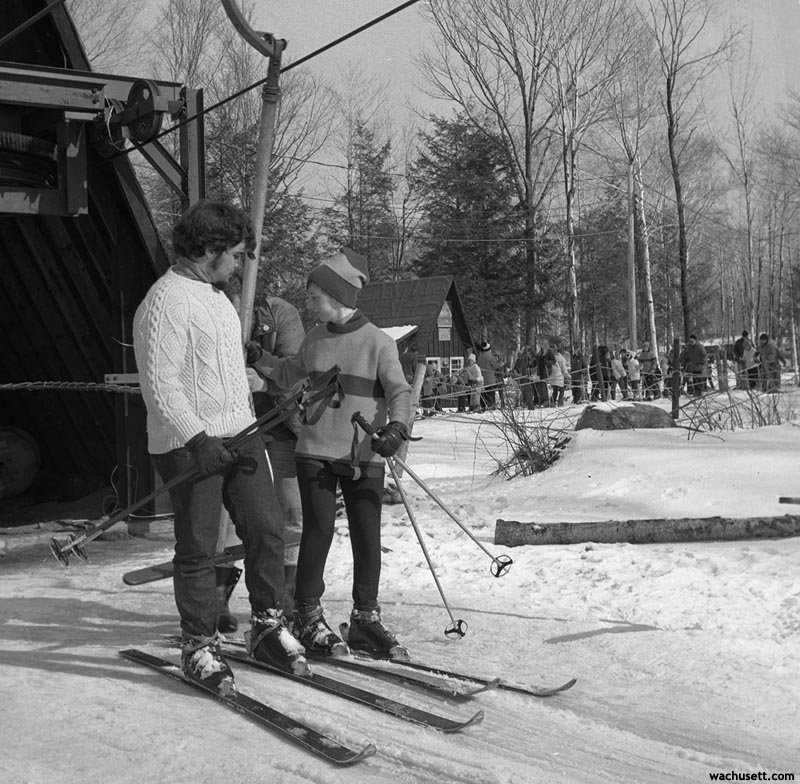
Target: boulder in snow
624,416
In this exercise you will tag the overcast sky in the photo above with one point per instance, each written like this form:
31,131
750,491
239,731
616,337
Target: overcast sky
390,47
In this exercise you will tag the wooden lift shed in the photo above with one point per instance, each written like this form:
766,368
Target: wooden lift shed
78,248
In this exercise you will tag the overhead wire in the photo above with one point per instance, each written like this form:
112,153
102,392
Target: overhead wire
341,39
357,31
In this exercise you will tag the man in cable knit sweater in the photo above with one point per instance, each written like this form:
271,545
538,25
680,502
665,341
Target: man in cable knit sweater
333,452
188,351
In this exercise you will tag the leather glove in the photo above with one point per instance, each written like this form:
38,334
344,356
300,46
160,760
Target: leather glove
389,438
253,352
209,453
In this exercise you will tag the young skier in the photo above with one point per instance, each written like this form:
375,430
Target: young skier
333,452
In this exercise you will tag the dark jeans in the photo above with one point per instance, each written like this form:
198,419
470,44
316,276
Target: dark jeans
284,473
246,490
362,497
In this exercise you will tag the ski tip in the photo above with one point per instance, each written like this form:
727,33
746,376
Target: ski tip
368,751
540,692
476,718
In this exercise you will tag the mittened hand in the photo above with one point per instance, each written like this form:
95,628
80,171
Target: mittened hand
209,453
389,438
253,352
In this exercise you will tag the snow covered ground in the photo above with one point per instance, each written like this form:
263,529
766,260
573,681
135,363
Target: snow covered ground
687,654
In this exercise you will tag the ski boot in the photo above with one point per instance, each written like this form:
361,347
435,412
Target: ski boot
311,628
202,661
270,642
366,633
227,577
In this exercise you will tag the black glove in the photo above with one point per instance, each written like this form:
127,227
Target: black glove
209,453
254,351
388,438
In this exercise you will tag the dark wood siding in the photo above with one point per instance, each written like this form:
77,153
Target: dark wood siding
70,286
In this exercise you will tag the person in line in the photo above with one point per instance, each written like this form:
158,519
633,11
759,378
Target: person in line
694,366
490,370
545,359
665,366
750,364
426,392
578,370
523,370
600,374
559,373
648,362
474,379
458,381
634,369
186,338
770,359
739,347
619,376
332,453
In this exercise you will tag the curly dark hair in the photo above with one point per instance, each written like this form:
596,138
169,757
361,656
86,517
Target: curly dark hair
211,225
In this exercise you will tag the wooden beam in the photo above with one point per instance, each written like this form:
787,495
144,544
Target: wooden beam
704,529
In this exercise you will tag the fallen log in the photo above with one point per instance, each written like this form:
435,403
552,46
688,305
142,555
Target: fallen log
512,533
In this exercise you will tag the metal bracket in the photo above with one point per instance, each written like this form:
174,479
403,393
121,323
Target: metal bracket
266,43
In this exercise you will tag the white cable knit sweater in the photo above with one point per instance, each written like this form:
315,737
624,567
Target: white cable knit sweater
191,368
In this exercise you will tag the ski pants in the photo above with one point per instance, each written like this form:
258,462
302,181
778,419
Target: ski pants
363,497
246,490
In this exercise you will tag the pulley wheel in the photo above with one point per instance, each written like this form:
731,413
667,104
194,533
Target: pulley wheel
142,97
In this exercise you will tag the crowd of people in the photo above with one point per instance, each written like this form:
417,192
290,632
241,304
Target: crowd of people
544,376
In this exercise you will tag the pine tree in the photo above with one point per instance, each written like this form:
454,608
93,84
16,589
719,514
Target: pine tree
469,226
362,216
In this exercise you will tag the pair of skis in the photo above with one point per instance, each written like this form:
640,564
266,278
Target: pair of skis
442,682
306,737
446,683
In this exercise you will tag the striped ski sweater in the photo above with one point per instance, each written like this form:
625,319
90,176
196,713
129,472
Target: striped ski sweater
372,380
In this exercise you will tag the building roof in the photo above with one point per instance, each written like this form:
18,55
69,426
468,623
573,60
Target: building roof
417,301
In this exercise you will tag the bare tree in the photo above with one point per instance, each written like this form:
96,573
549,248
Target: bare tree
186,39
634,107
493,58
588,49
111,33
740,155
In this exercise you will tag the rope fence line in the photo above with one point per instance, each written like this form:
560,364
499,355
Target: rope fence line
69,386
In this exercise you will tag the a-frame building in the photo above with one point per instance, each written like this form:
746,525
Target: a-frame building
431,311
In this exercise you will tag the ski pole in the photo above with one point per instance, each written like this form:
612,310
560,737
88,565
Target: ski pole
500,563
457,628
298,402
